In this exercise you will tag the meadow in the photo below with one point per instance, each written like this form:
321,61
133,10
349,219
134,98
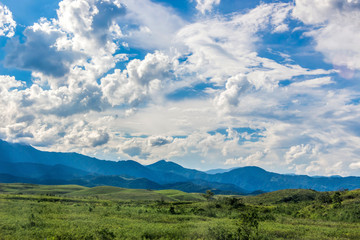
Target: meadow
30,211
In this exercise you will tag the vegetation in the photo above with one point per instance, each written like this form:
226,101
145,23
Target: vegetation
73,212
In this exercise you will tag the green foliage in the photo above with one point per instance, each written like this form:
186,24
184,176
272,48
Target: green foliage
324,198
232,202
248,225
221,232
337,199
105,234
208,195
111,216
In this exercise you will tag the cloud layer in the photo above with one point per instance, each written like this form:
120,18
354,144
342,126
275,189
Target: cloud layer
114,80
335,29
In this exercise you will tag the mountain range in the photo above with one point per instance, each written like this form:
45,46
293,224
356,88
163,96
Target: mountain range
23,163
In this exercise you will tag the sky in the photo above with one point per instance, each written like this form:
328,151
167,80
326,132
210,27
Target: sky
203,83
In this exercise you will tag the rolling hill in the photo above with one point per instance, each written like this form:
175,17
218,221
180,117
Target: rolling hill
100,192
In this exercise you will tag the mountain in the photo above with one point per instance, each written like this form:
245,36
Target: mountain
24,163
171,167
41,171
15,153
201,186
7,178
255,178
218,170
116,181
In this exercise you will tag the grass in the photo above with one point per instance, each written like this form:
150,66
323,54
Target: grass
74,212
101,192
33,189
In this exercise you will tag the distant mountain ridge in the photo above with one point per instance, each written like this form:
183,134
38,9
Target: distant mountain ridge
24,163
219,170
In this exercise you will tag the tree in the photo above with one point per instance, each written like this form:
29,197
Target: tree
325,198
337,199
208,195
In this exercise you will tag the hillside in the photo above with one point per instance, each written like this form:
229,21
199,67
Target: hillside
100,192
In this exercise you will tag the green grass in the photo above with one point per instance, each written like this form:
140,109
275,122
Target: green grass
23,188
74,212
179,195
101,192
282,196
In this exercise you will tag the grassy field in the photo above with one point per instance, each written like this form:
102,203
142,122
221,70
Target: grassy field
74,212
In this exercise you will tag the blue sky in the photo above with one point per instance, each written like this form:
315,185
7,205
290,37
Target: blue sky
204,83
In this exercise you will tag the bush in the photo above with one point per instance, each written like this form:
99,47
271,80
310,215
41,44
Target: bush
248,225
234,202
220,232
105,234
324,198
337,199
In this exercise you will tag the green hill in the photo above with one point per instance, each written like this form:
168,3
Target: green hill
34,189
287,195
100,192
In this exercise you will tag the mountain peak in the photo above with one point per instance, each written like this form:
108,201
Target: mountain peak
249,170
165,165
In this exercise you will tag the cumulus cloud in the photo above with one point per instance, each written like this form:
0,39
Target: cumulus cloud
9,82
81,38
38,52
160,141
140,80
235,87
335,30
204,6
98,138
296,152
241,91
7,23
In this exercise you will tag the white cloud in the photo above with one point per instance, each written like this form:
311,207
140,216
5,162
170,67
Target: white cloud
336,29
37,53
148,25
204,6
8,82
140,80
313,83
79,42
230,47
296,152
7,23
251,160
355,165
235,87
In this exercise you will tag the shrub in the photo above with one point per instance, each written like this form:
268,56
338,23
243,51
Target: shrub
337,199
105,234
248,225
208,195
220,232
324,198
